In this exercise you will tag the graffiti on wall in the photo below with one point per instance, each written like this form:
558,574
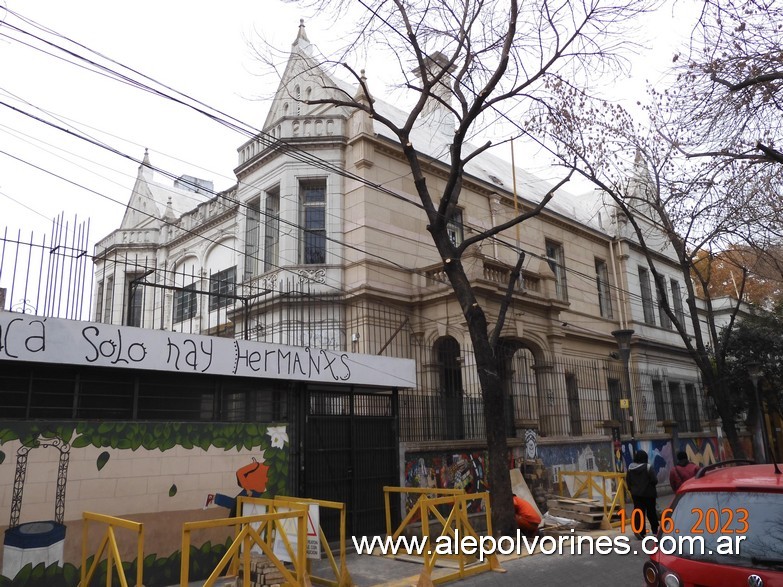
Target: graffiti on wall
466,471
591,456
702,451
182,461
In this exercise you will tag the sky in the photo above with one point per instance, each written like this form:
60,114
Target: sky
194,47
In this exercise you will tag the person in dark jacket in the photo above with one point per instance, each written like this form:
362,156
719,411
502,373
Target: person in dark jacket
682,470
641,480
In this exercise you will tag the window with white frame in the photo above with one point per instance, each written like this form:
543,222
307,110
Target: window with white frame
99,302
647,299
312,196
662,301
108,306
252,238
454,228
272,229
185,303
134,299
556,257
677,301
222,286
602,284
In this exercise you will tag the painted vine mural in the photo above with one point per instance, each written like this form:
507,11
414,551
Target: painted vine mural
259,453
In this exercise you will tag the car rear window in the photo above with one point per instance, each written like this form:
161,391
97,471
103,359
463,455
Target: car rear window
757,517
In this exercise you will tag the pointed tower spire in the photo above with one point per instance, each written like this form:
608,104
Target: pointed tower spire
362,119
301,35
168,215
145,169
363,91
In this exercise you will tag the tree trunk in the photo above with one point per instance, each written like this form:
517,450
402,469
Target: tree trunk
501,497
726,413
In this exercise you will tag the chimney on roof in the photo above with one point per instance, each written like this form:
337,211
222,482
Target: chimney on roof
442,92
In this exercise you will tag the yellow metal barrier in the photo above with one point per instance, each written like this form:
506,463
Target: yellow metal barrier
109,541
421,492
342,578
613,497
455,527
269,524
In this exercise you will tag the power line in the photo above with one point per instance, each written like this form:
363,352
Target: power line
269,141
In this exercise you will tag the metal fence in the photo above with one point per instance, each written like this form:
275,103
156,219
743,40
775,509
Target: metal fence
568,396
47,277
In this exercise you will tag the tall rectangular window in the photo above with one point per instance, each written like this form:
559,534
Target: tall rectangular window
252,238
663,300
694,421
272,230
108,306
660,404
556,258
221,285
574,406
647,299
454,228
312,195
678,405
185,304
99,302
602,284
677,301
134,299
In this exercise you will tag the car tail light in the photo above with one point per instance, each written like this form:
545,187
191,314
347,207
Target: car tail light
656,575
669,578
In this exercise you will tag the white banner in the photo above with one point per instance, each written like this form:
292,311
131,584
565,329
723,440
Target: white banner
24,337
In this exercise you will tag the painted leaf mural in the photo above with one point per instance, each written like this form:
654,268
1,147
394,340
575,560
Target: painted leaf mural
103,458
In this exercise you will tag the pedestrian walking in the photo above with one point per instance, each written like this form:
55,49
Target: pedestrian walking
682,470
642,481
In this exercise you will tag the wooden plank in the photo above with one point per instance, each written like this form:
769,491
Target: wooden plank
578,516
576,506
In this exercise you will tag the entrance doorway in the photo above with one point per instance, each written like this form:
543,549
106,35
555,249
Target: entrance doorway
350,454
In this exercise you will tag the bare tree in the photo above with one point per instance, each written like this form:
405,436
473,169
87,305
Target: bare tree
691,210
710,164
730,82
485,62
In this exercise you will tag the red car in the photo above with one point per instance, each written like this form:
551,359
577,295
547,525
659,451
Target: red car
724,527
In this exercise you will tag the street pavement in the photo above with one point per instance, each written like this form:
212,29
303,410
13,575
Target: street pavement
547,569
386,571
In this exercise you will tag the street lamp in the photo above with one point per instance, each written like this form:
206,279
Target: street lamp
623,338
755,373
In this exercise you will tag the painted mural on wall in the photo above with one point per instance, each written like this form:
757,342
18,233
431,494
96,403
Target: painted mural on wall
702,451
590,456
121,469
727,453
447,470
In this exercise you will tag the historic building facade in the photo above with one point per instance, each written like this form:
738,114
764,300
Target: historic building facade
321,244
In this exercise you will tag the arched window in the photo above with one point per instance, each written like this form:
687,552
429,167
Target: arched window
520,389
447,357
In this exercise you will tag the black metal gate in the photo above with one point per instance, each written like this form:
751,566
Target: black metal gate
351,451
